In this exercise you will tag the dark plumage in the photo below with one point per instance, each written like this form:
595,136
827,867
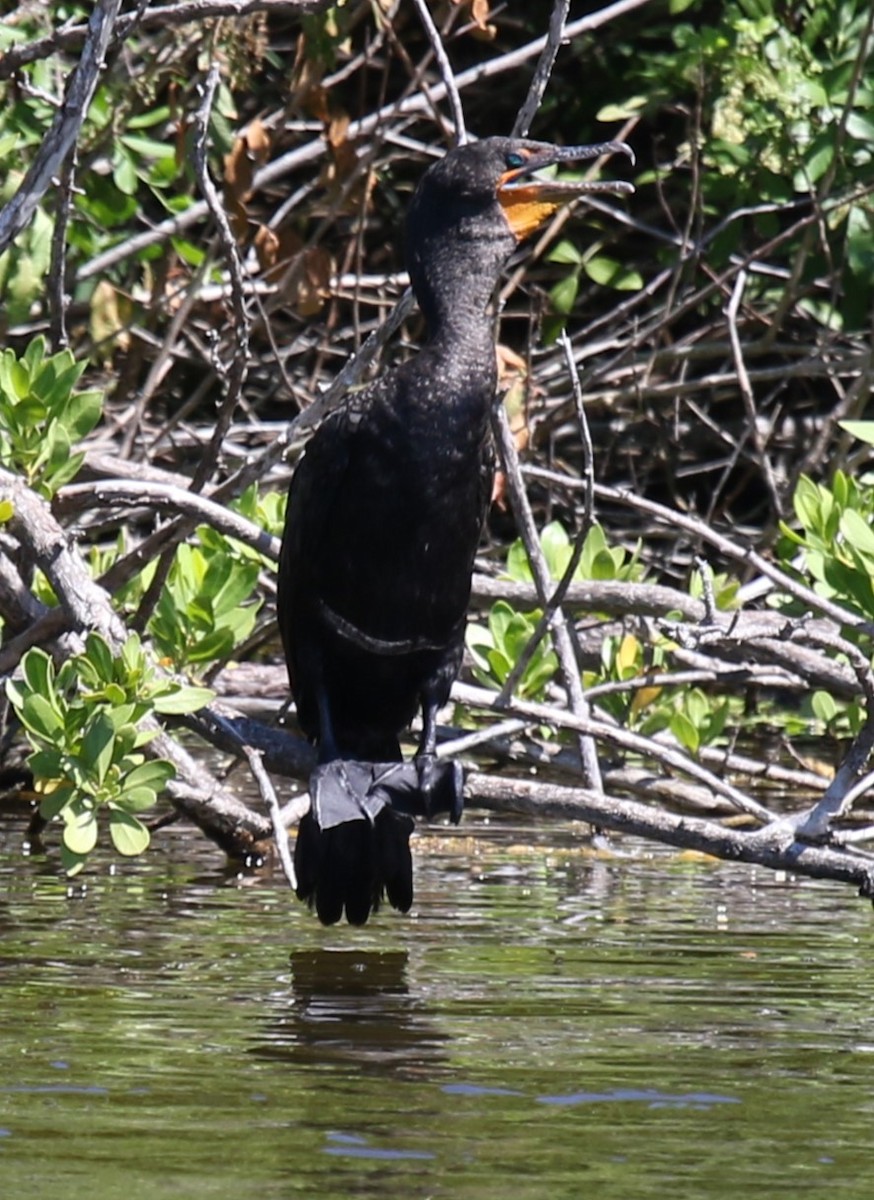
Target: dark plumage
384,517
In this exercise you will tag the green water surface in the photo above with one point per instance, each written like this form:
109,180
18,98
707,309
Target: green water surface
546,1024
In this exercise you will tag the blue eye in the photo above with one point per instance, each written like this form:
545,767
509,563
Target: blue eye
514,160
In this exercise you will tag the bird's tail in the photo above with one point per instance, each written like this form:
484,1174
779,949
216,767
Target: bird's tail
352,847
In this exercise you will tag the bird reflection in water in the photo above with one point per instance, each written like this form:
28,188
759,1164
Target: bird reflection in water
353,1007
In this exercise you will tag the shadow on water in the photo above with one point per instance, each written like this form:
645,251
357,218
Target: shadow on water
546,1022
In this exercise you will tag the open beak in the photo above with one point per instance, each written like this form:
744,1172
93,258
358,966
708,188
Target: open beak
528,198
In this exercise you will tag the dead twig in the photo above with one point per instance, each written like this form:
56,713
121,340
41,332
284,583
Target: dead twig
564,646
61,137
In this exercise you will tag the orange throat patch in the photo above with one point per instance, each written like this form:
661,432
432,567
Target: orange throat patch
525,209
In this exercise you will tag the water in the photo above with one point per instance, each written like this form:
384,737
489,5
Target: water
548,1022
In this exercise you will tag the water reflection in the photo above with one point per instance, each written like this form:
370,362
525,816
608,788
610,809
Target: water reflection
352,1006
546,1024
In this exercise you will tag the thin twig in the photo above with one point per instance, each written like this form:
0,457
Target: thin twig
446,72
61,137
57,277
615,735
268,795
543,70
239,366
562,640
746,391
357,131
129,493
556,599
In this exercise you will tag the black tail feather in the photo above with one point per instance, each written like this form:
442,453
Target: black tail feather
352,848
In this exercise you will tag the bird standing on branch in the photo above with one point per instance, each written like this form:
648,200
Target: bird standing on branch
385,513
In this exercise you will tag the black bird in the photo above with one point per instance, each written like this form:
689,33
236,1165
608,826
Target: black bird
385,513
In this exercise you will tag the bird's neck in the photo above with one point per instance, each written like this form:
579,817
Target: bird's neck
462,326
463,374
456,291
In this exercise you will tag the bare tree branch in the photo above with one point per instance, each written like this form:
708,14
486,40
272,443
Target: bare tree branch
62,135
543,70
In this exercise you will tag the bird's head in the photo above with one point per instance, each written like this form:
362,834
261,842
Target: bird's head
529,189
478,201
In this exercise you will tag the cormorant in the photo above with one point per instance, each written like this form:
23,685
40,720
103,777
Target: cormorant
385,512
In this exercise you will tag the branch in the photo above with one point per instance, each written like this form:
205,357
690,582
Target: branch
235,377
615,735
357,131
691,833
71,37
445,70
564,646
543,70
195,792
64,131
84,497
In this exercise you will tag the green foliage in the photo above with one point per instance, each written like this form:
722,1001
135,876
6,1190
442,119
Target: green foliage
724,587
836,540
42,416
839,718
496,646
598,267
696,719
693,716
207,606
786,110
205,609
134,144
863,430
83,723
267,511
597,560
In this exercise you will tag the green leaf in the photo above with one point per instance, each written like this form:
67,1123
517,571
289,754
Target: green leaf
183,700
564,293
685,732
65,471
556,547
81,413
70,861
807,502
824,706
129,835
603,565
634,104
46,764
99,657
34,355
858,532
53,803
609,273
39,672
860,128
133,800
565,252
863,430
37,715
214,645
153,774
98,744
80,831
